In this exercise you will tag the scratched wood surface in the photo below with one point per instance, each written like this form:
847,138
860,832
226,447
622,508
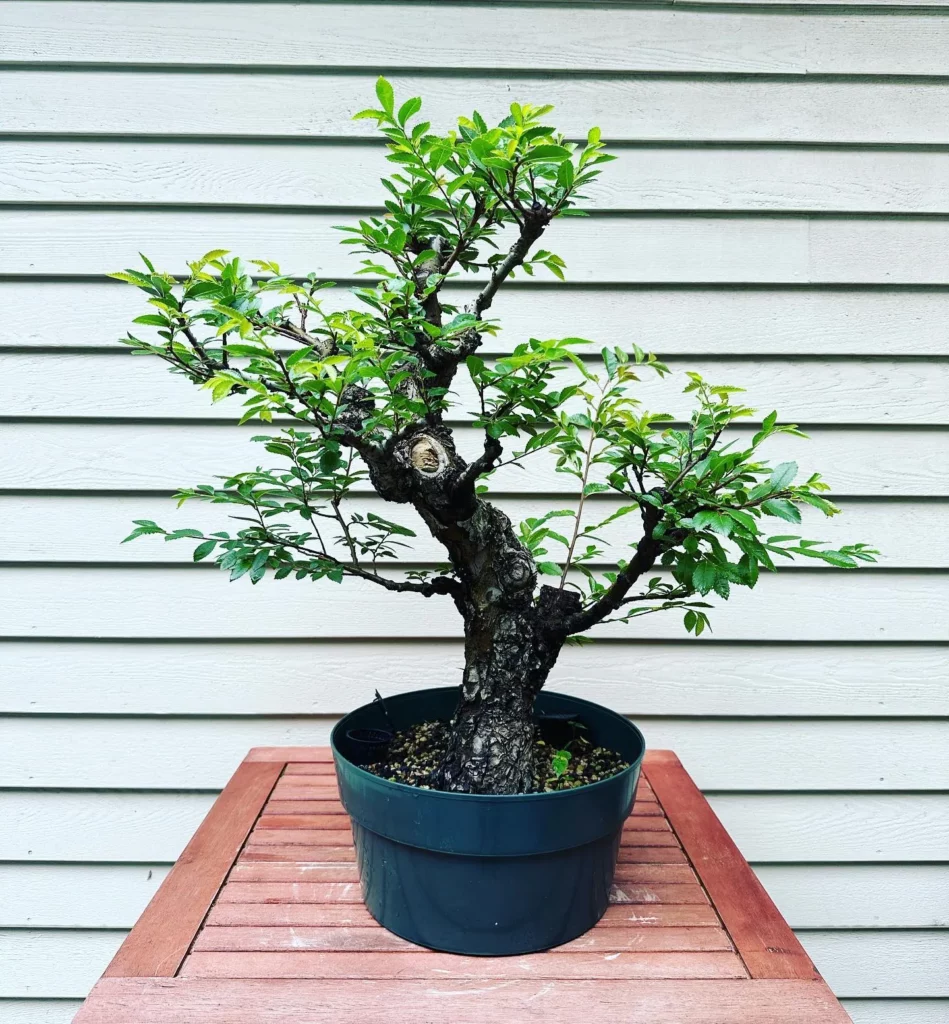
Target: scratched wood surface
689,937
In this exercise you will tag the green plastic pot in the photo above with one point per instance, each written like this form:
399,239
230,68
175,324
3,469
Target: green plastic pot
486,875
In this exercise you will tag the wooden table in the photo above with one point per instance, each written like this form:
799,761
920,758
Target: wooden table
261,922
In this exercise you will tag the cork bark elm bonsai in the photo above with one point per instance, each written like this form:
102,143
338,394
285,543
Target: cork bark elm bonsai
372,394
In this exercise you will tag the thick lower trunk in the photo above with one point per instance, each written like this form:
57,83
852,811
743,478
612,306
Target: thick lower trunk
492,732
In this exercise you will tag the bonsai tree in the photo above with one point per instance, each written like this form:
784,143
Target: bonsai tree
369,394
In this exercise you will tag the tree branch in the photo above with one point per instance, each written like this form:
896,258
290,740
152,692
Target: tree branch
647,551
533,227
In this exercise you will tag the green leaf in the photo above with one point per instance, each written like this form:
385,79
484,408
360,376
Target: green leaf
783,475
408,109
704,576
781,508
559,762
203,550
550,154
837,558
385,94
549,568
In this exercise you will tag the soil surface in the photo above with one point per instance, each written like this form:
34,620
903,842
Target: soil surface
563,757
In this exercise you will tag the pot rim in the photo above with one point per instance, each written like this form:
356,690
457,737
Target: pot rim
562,794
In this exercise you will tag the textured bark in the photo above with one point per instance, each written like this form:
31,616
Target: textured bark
509,652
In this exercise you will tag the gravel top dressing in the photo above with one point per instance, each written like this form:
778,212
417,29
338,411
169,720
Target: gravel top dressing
563,757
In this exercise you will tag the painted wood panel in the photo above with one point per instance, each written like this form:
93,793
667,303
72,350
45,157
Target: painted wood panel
38,1011
162,602
135,827
602,39
642,677
661,248
887,964
897,1011
47,532
673,321
823,391
648,108
163,457
98,753
81,896
726,179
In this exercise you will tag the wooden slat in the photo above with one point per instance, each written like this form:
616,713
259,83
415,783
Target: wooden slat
324,915
383,966
643,808
598,38
304,871
252,854
334,837
765,942
169,923
199,1001
222,939
277,822
349,892
647,108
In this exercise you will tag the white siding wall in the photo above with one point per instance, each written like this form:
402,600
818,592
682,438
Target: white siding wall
780,216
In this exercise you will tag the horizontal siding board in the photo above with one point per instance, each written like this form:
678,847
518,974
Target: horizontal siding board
164,457
868,896
200,754
78,958
672,109
644,678
87,896
167,602
886,964
622,249
600,39
897,1011
849,961
644,178
46,528
838,827
152,828
38,1011
73,385
671,321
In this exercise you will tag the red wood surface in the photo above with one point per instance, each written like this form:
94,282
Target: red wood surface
158,943
765,942
426,964
520,1001
317,915
262,920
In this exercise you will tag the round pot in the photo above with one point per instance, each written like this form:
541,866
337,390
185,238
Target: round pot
486,875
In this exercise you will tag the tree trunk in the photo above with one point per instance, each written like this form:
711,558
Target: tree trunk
509,652
506,664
